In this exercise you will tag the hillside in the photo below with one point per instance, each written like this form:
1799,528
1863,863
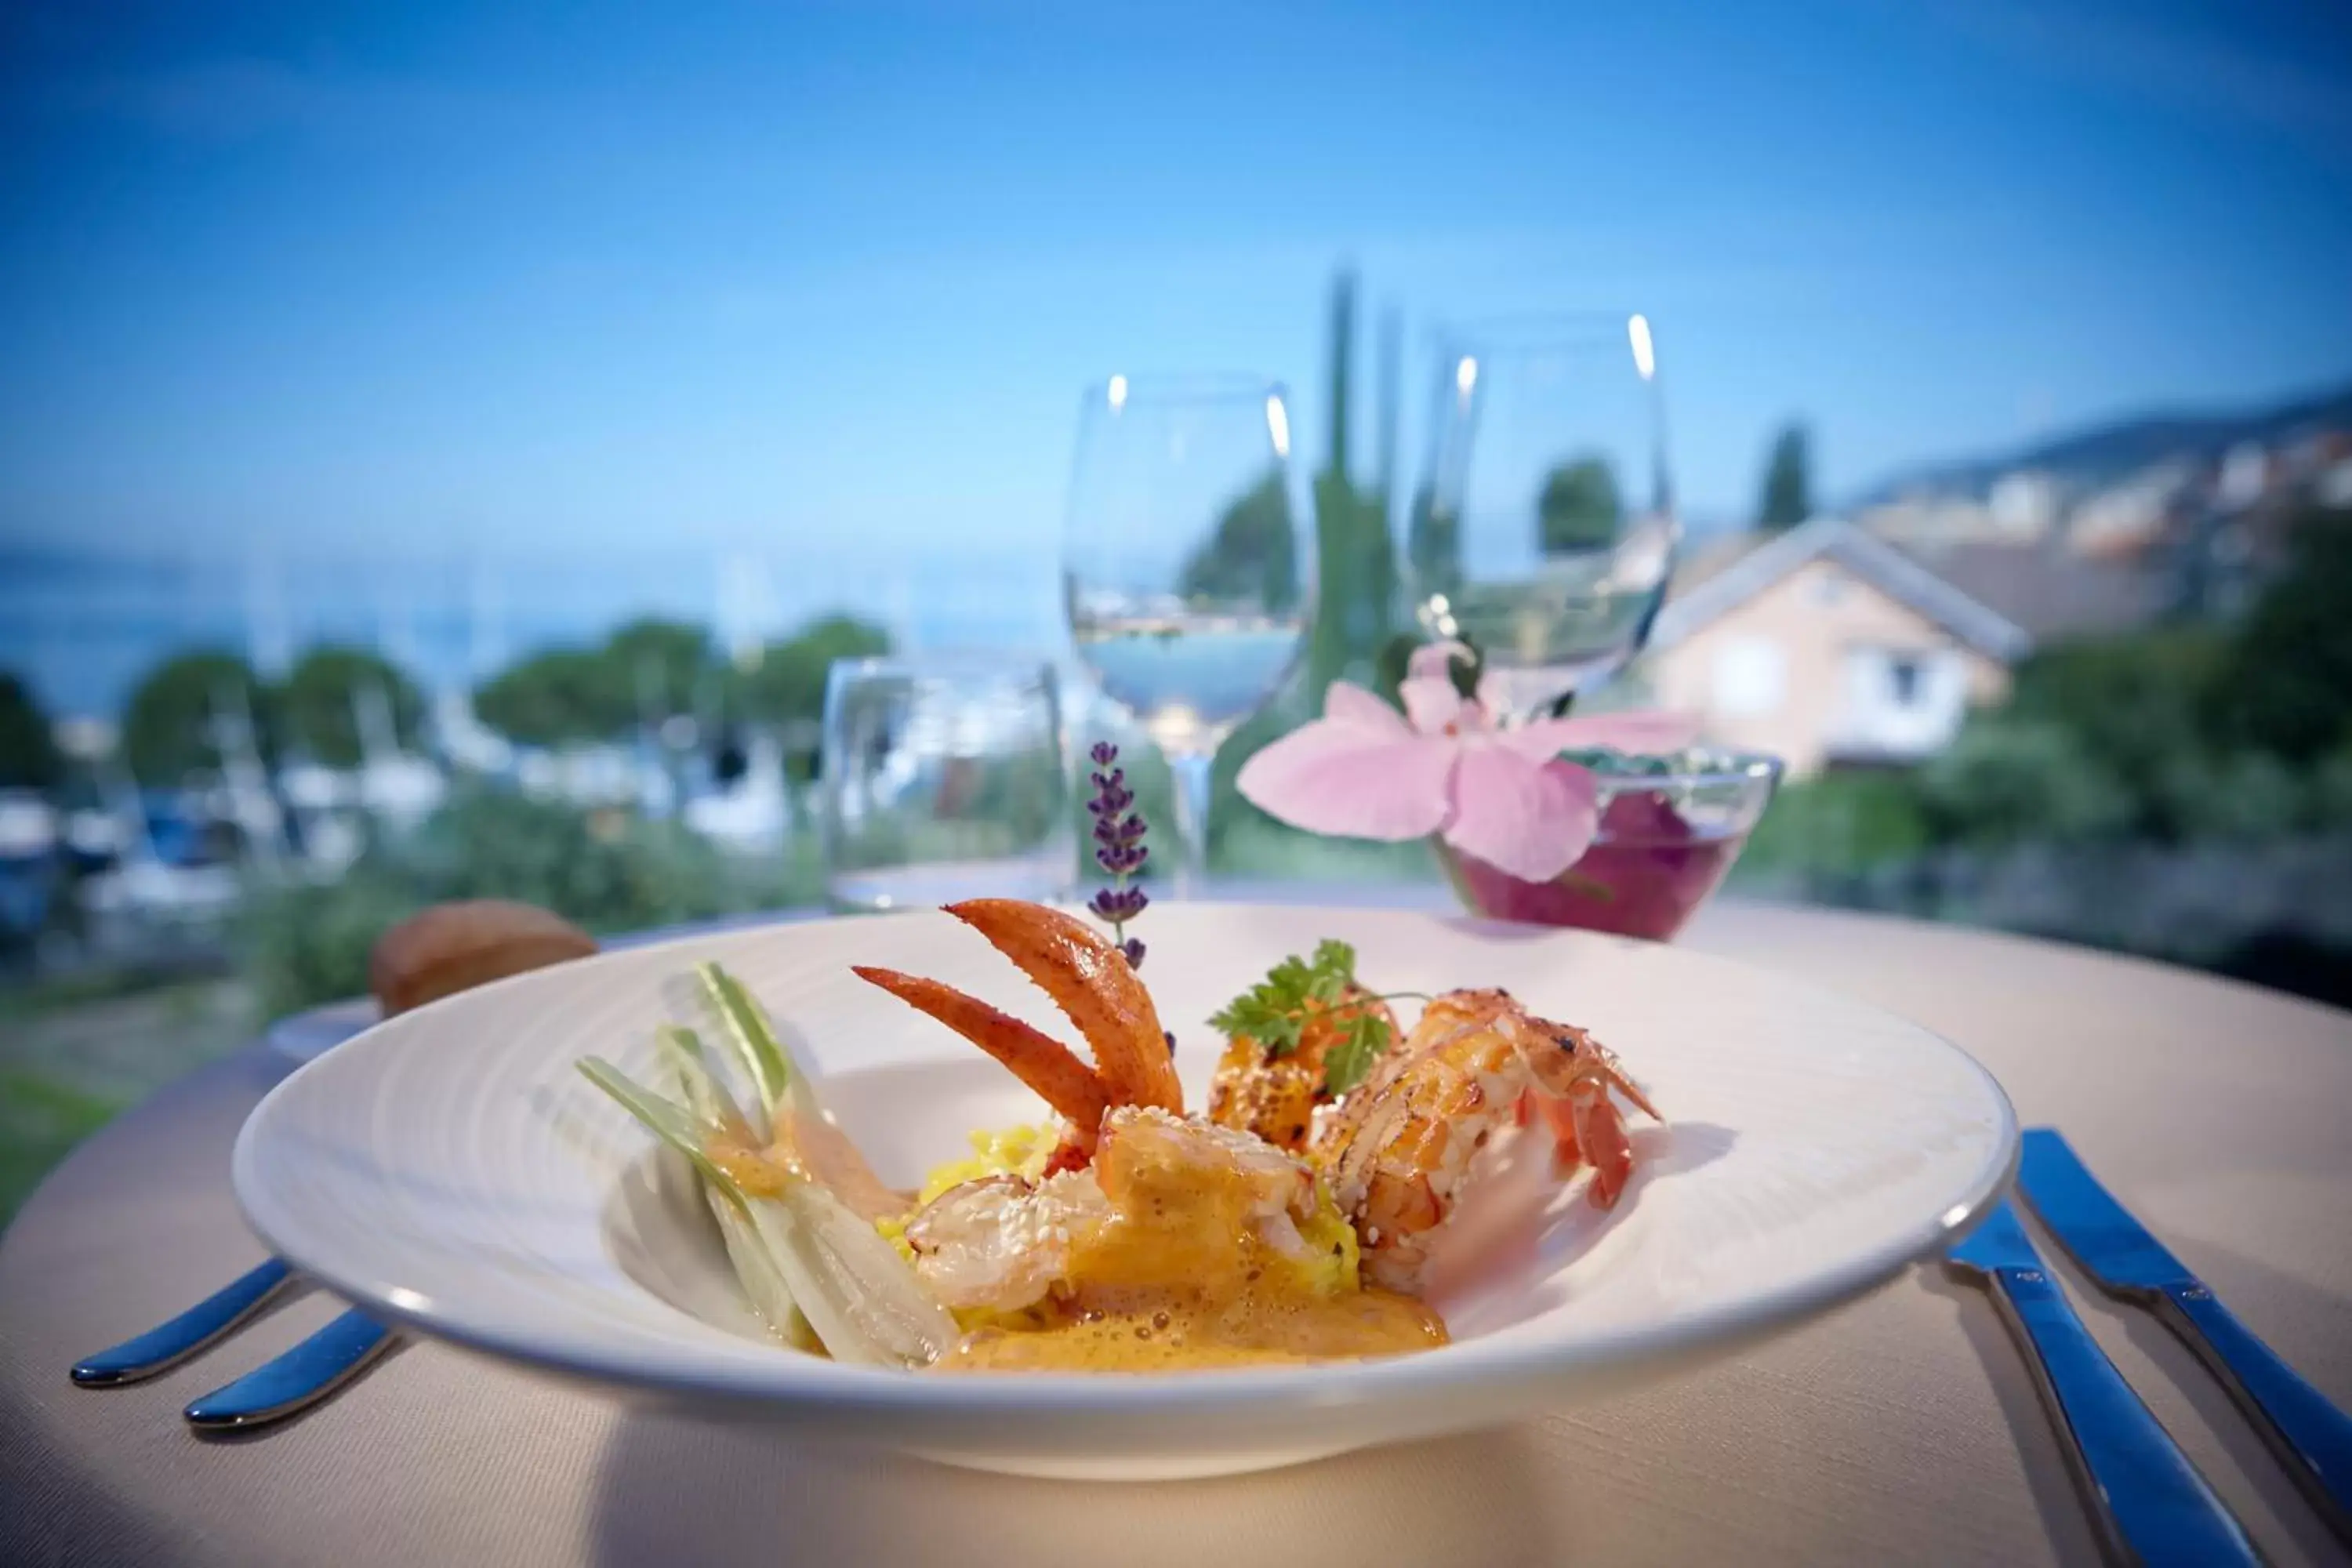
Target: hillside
2105,453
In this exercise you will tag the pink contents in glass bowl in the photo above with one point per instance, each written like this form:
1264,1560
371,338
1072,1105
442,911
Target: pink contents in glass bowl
1666,842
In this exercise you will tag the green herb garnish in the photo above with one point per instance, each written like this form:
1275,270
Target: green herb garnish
1350,1062
1276,1010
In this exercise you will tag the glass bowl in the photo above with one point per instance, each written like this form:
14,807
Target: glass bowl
1671,827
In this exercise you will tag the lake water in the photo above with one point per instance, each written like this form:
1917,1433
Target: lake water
82,628
1182,679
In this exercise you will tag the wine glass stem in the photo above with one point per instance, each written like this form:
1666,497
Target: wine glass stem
1192,770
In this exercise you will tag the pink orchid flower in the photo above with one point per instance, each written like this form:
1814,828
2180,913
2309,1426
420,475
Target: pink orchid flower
1444,766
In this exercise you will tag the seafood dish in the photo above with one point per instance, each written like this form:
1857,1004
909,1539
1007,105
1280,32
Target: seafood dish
1295,1219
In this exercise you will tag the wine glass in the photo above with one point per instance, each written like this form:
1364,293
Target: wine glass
1544,527
1186,584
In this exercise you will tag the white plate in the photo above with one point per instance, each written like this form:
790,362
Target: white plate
450,1170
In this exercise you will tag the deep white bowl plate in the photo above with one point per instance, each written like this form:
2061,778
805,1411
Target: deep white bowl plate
449,1170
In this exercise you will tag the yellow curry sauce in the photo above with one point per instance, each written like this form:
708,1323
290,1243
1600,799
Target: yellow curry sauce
1254,1328
1177,1278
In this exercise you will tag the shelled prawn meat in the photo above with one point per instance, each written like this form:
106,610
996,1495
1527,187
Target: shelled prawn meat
1400,1149
1288,1225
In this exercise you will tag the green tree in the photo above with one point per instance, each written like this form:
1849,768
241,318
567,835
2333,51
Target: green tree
2287,685
1788,498
1840,824
1253,552
2235,797
650,670
658,668
1355,560
2023,780
29,751
2133,698
646,671
788,683
321,701
171,728
560,697
787,688
2132,707
1578,507
2329,799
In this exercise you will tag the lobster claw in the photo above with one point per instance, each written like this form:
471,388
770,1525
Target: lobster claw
1036,1059
1096,988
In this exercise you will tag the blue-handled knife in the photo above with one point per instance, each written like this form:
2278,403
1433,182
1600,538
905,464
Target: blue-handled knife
2312,1436
161,1349
2148,1501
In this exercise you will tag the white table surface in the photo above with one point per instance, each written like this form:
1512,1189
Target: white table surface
1899,1428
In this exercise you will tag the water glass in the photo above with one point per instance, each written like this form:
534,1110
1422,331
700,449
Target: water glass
944,779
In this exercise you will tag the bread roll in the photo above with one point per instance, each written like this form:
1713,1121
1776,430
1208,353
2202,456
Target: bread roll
452,947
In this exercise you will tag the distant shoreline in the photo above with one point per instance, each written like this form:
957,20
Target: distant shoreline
81,628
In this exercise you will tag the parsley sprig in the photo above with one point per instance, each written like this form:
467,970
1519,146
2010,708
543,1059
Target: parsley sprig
1277,1011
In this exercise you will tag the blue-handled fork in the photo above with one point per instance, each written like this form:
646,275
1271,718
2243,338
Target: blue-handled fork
276,1389
311,1370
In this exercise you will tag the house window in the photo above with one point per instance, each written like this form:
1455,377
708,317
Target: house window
1750,675
1903,680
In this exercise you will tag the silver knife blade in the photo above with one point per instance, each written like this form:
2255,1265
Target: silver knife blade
2111,1245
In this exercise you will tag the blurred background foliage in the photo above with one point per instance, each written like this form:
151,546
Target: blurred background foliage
610,871
319,710
1579,507
29,751
171,726
2178,791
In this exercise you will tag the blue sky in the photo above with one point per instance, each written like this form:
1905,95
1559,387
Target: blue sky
556,276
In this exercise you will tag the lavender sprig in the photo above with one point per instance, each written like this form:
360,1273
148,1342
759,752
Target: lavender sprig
1119,849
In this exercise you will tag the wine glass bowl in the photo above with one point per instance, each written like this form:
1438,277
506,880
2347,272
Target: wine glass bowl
1185,577
1544,529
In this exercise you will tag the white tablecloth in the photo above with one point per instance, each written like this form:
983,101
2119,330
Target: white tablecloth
1900,1429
